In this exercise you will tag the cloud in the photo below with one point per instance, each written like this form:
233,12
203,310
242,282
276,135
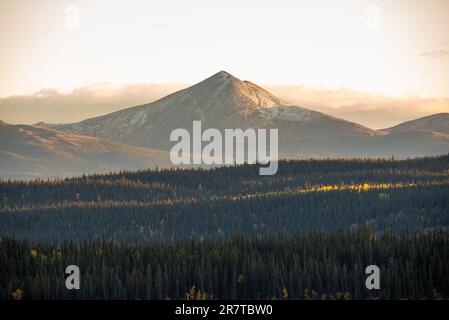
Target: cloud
53,106
372,110
436,54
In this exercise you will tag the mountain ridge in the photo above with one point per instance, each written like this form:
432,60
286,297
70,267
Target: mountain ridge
223,101
438,122
220,101
38,152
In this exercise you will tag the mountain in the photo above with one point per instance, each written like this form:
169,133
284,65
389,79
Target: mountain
434,123
224,101
221,101
37,152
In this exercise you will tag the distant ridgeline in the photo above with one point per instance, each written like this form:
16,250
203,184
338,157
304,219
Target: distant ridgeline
172,205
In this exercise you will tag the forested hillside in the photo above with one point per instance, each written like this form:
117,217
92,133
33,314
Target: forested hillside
307,232
313,266
171,205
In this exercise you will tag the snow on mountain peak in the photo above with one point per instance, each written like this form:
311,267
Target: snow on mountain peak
220,101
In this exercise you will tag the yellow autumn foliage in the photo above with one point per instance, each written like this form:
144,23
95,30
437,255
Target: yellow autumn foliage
17,294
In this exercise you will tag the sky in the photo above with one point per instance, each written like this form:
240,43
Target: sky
376,111
394,48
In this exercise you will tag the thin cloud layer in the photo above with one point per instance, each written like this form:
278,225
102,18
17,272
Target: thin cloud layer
376,111
436,54
372,110
52,106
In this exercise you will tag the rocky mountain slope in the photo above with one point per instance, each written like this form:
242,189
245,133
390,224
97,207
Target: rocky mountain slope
224,101
435,123
37,152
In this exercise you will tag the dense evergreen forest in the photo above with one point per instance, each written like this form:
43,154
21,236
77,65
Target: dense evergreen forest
312,266
172,205
307,232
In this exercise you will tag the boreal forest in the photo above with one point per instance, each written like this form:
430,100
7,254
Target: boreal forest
307,232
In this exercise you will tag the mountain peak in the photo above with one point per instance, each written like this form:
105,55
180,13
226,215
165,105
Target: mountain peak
223,101
225,90
221,77
436,122
223,74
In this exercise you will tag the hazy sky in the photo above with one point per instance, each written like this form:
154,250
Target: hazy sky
389,46
373,110
376,62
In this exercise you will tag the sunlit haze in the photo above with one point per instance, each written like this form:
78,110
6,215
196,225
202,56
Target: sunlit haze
388,47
